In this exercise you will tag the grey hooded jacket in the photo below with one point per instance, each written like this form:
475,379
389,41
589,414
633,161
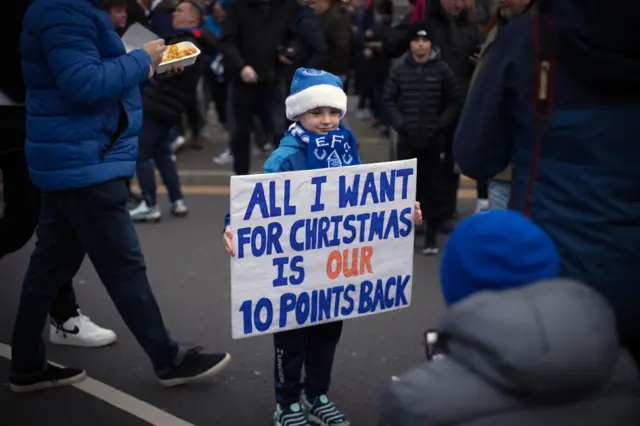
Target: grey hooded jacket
543,355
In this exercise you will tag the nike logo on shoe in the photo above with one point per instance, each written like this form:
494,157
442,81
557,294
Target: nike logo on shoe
75,330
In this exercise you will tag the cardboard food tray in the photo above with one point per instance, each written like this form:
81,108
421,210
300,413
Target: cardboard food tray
182,62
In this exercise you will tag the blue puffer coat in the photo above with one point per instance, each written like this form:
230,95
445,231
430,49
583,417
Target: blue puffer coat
80,87
585,191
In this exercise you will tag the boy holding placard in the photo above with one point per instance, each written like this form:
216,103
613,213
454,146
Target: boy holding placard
316,104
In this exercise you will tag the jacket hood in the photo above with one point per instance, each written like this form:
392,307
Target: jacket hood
553,340
597,41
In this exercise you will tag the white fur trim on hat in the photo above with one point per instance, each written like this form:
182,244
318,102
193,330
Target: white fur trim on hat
321,95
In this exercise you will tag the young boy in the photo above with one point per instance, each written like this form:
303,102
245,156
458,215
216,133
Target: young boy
316,104
423,102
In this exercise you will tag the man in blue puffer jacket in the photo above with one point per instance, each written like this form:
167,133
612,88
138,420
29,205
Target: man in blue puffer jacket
581,182
84,113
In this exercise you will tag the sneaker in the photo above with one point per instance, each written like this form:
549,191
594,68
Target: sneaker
52,377
430,250
225,158
292,415
268,147
177,144
194,366
80,331
144,213
179,208
322,412
482,205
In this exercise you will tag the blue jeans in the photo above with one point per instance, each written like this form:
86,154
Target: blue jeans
93,221
499,194
153,144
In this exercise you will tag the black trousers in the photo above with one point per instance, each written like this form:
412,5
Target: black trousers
249,100
432,185
482,189
312,347
20,219
218,92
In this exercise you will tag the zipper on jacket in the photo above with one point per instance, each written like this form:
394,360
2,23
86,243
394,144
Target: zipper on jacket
543,90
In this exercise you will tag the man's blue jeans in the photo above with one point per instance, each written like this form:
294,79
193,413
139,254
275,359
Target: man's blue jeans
499,194
93,221
153,145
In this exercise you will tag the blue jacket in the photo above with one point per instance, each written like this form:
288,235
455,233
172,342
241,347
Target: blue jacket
291,156
586,186
84,110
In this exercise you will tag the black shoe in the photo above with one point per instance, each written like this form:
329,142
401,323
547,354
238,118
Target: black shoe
51,377
194,366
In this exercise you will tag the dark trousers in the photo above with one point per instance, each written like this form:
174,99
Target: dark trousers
218,90
19,221
451,180
153,145
431,185
249,100
93,221
312,347
482,189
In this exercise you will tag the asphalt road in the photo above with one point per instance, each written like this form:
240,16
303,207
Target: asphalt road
189,271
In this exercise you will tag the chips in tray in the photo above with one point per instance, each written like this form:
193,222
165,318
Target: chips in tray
176,51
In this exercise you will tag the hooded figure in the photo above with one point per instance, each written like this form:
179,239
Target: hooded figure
515,353
580,181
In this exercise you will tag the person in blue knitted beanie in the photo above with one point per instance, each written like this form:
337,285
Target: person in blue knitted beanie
496,250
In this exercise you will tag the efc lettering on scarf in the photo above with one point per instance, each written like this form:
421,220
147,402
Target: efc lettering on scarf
331,150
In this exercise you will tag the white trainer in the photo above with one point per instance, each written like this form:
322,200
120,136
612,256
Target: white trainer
179,208
225,158
144,213
80,331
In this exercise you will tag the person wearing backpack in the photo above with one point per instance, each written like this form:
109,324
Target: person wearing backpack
559,99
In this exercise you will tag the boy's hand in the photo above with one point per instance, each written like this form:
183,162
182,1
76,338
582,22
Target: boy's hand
418,215
227,240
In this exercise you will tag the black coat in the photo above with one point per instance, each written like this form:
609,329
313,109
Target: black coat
254,32
166,97
423,100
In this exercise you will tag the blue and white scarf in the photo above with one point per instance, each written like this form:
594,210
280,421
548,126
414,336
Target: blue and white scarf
335,149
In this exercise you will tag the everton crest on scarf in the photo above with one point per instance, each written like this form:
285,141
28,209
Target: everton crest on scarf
334,149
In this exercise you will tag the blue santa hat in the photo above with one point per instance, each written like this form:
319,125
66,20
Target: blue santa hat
497,250
311,89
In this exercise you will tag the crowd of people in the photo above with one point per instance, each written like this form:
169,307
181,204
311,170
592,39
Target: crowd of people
534,99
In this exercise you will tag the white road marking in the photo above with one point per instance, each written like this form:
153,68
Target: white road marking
125,402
